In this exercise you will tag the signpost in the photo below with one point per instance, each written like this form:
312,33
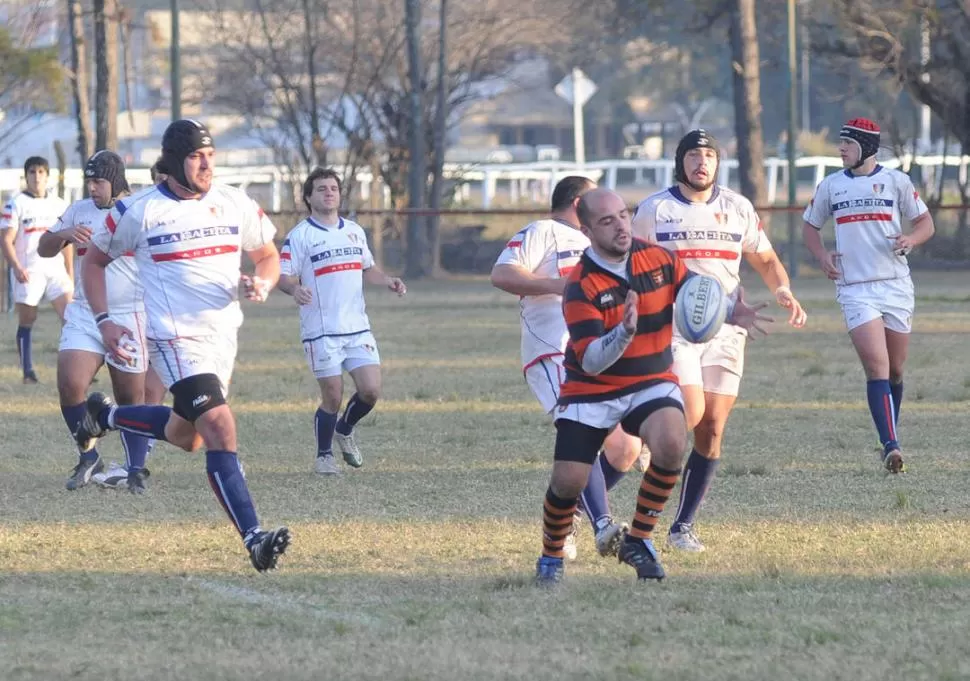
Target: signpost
577,89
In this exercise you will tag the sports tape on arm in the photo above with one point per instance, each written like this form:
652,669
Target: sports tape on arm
603,352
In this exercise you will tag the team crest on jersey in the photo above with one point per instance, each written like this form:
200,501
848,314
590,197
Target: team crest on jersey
877,188
216,211
657,277
721,218
352,237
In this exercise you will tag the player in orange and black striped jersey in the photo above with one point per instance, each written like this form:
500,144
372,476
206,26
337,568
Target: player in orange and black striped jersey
618,305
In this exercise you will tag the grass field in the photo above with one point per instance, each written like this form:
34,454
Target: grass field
419,566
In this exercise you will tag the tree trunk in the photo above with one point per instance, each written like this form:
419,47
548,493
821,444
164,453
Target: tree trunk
417,249
440,141
79,82
61,168
106,58
747,101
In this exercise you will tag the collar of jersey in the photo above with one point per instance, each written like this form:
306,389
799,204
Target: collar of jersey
564,222
163,188
33,196
852,176
340,223
679,195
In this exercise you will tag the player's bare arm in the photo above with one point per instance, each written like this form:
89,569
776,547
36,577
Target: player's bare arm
769,266
519,281
266,260
10,255
291,286
375,275
824,257
922,231
93,266
52,243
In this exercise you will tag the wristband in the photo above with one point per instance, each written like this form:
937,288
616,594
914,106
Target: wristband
101,318
781,289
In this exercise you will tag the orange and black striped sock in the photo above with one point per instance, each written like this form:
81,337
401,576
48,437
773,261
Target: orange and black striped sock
557,523
655,489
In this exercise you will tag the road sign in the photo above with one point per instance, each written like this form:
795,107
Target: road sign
577,88
578,83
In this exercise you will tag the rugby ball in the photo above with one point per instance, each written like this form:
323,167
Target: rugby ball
700,308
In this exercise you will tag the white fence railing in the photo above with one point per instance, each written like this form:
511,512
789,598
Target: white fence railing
518,180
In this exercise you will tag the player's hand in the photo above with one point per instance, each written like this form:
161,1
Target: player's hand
21,275
397,286
117,341
77,235
749,316
829,266
302,295
902,244
785,298
256,288
630,312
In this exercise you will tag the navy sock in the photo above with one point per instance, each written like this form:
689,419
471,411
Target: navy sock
23,349
355,411
879,393
594,499
141,419
324,422
896,389
72,417
136,450
697,478
229,484
611,476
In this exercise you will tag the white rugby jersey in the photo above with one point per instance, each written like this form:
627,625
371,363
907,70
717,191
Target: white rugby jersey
330,261
188,253
125,294
709,237
547,248
867,211
31,217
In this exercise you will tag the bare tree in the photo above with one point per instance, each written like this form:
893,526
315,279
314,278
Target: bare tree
363,93
79,78
106,60
883,38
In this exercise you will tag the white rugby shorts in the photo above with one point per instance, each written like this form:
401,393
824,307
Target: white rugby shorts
892,300
42,286
180,358
330,355
544,376
716,365
609,413
81,333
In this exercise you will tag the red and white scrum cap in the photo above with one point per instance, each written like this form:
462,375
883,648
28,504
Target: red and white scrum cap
863,132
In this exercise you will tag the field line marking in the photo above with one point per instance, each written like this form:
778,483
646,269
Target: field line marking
277,600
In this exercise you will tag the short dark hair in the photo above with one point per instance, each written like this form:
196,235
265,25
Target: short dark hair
35,161
568,189
320,174
583,212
